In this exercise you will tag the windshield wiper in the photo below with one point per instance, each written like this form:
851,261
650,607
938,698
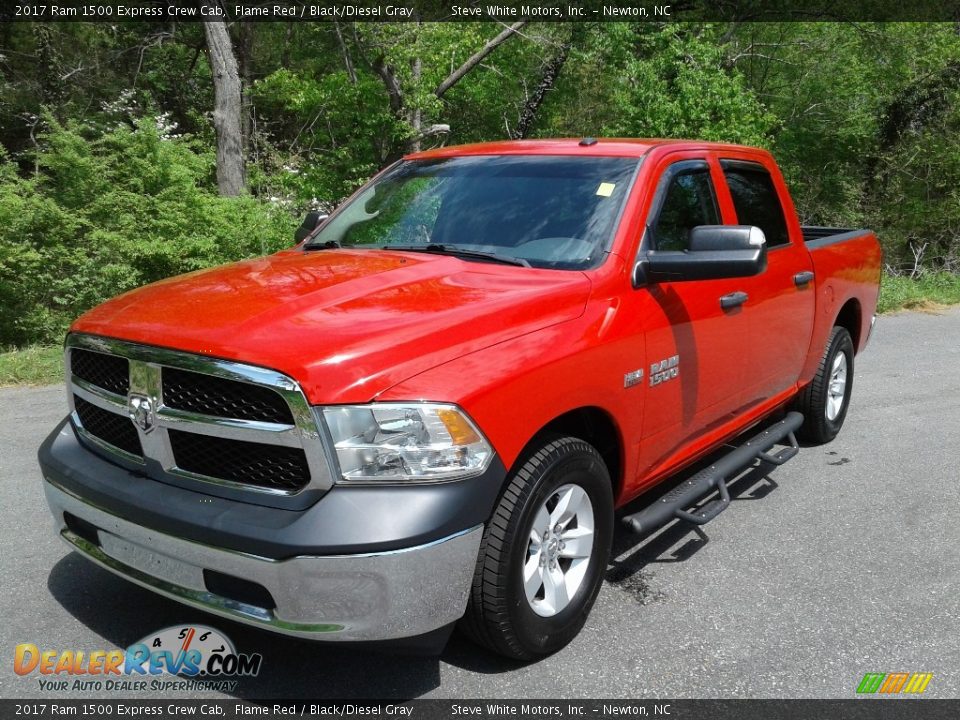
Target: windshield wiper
328,245
442,249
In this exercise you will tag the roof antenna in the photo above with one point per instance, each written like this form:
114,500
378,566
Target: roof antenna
588,141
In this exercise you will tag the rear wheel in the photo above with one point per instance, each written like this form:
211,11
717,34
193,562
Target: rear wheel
824,401
544,552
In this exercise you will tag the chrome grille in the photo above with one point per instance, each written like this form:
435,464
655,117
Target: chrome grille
210,395
105,371
195,418
268,466
113,429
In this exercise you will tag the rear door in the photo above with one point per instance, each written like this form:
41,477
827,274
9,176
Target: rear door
781,300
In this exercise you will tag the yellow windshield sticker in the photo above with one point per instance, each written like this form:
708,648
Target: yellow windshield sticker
605,189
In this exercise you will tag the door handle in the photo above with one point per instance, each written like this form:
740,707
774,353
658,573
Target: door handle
734,299
802,278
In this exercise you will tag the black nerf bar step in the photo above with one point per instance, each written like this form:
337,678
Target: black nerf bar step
674,504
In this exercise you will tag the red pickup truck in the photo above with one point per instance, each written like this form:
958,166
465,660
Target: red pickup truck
432,409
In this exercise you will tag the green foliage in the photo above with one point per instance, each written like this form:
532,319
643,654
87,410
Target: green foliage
901,292
675,85
916,198
33,365
107,174
644,81
868,127
109,214
335,125
820,81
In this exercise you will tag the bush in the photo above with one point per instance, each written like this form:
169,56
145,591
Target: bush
105,215
34,365
928,290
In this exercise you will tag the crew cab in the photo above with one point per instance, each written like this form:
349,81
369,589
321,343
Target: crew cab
433,409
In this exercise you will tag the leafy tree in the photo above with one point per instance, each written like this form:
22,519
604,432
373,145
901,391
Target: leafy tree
641,80
108,214
108,172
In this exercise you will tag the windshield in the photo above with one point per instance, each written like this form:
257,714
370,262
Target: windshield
550,211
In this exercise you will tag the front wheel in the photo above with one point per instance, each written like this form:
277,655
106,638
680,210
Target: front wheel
824,401
544,552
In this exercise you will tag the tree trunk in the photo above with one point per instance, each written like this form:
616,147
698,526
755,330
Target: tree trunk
478,57
287,41
245,63
415,116
391,83
227,109
547,80
345,53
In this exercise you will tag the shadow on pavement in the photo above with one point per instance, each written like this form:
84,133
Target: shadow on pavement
679,540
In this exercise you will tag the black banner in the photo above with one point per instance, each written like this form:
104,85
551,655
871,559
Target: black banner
475,10
853,709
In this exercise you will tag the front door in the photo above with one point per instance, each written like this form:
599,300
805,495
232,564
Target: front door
693,344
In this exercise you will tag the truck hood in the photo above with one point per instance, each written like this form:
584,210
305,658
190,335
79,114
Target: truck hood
346,324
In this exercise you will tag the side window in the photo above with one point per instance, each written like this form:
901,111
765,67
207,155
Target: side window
756,202
689,201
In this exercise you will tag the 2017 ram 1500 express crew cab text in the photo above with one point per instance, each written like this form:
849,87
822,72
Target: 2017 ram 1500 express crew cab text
429,410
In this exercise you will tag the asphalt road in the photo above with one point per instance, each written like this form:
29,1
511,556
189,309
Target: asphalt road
844,561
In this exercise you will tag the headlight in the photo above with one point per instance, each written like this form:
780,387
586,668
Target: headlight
390,442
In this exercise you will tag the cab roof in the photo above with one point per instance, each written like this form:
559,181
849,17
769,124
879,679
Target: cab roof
609,147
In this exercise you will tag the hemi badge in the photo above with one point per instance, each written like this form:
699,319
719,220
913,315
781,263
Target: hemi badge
632,378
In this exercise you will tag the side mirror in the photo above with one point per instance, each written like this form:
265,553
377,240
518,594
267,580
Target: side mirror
310,223
716,251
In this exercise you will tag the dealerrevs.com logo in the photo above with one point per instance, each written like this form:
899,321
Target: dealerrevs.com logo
200,657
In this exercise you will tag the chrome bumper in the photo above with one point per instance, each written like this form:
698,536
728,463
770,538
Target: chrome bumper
873,324
370,597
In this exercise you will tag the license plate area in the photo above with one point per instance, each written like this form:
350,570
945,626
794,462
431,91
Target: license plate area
150,562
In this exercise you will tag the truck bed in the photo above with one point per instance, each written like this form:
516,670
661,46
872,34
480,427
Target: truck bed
847,264
817,235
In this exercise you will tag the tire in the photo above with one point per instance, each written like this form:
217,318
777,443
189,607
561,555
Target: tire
824,407
500,616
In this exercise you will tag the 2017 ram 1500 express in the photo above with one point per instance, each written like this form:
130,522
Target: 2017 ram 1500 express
430,409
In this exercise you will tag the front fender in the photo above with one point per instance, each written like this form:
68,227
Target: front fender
514,389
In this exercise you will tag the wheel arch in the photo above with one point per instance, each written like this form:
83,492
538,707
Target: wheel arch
850,317
591,424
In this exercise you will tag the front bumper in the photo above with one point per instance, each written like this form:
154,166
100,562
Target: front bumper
379,596
384,594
